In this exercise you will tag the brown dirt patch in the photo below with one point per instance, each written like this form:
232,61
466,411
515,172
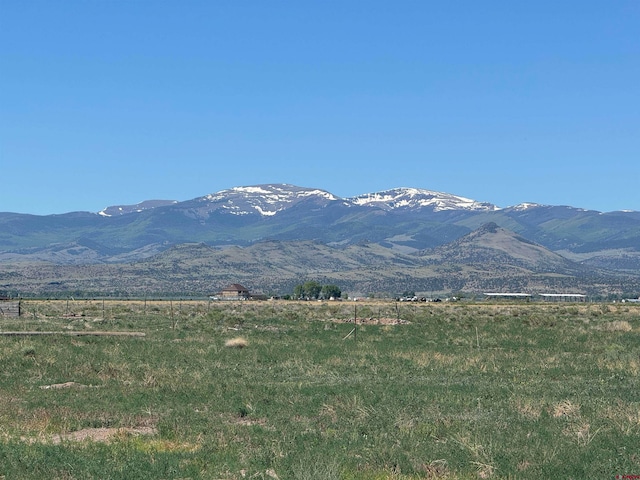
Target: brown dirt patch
100,434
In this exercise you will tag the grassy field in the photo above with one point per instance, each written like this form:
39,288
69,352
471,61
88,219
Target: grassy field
452,391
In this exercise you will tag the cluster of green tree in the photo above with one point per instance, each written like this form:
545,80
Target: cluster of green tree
313,290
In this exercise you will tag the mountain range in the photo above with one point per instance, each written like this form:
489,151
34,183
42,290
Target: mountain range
271,236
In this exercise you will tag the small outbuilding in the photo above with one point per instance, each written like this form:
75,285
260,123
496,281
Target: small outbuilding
519,296
564,297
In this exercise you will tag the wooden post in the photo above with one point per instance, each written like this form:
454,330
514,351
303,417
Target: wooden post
355,323
76,334
171,309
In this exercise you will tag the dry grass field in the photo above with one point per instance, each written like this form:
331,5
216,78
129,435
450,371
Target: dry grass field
409,391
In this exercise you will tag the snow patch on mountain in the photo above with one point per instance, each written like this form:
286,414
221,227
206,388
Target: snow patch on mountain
415,198
137,208
525,206
258,190
266,213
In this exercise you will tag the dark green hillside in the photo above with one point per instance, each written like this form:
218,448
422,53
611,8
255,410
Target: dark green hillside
235,217
491,258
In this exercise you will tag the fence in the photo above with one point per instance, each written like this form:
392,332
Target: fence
10,308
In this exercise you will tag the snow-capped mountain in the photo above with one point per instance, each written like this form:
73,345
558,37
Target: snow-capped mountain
266,200
415,199
269,199
401,219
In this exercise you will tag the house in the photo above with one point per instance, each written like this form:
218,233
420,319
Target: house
235,291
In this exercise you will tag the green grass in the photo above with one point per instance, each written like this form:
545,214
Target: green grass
463,391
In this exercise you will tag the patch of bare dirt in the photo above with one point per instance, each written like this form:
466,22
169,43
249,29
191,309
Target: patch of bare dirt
101,434
93,435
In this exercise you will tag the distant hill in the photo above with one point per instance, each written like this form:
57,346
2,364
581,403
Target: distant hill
393,237
497,247
490,258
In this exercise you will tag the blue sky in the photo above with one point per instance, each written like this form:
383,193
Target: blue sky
115,102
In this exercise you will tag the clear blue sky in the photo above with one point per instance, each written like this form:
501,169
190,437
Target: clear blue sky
115,102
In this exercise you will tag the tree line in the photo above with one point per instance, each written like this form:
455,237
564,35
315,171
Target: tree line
312,290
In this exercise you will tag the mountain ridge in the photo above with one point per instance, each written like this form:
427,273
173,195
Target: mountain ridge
392,198
389,199
406,220
269,199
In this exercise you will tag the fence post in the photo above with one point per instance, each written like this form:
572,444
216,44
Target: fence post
355,323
